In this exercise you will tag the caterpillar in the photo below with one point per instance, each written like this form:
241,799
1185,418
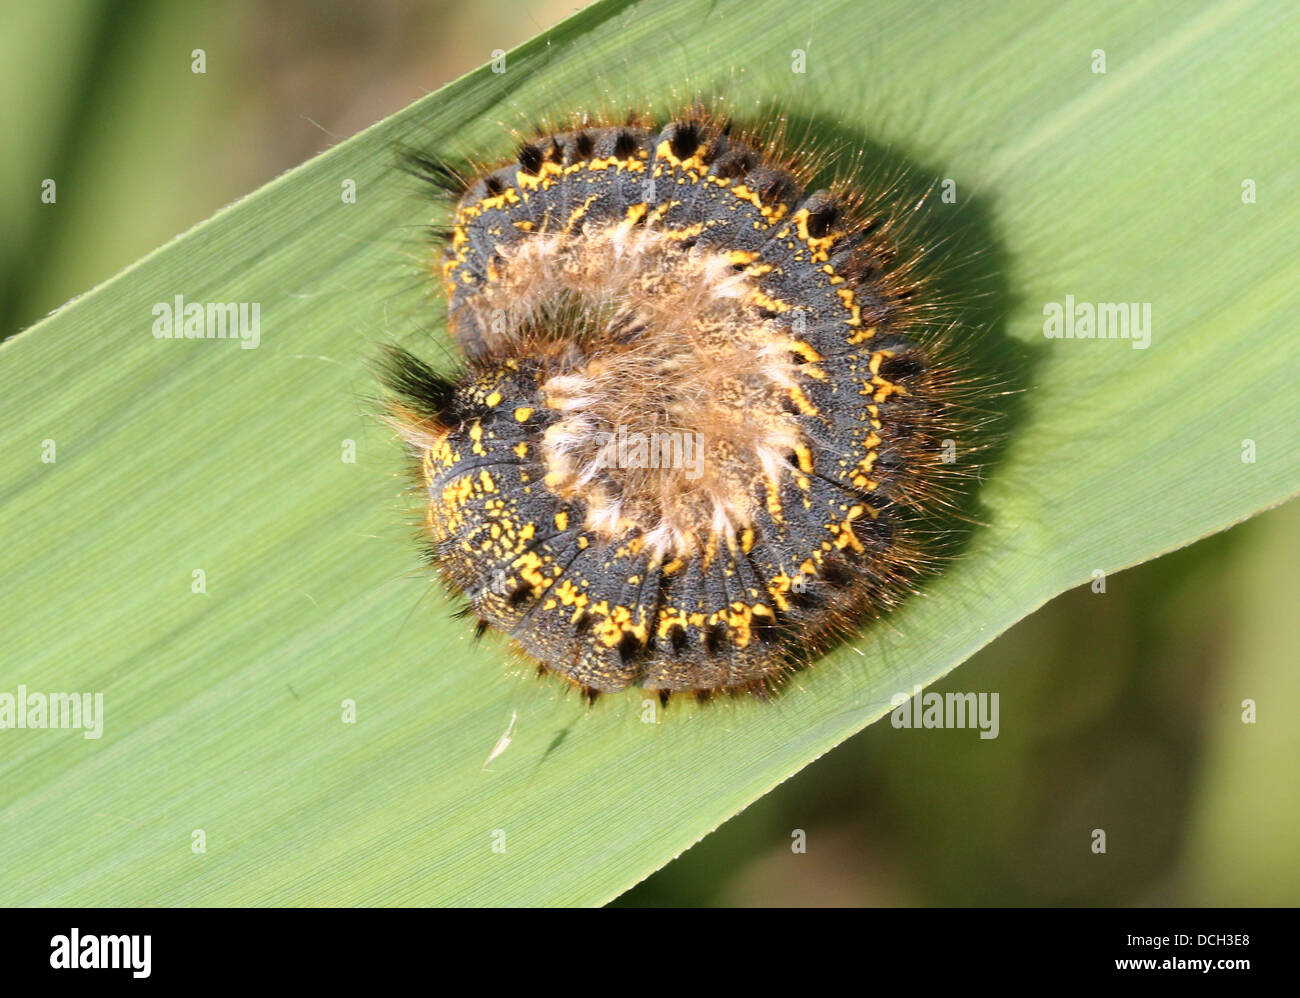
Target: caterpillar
695,432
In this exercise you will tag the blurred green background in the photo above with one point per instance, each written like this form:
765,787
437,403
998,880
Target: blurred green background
1119,711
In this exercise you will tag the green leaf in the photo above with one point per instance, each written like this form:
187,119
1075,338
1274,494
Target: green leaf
223,711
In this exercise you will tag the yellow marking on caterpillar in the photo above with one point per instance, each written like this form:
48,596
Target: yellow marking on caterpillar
810,355
690,232
493,400
739,622
773,501
878,390
662,210
541,180
848,300
801,400
764,301
576,215
693,163
617,624
668,618
772,213
476,435
819,245
886,389
877,358
496,201
596,164
805,351
777,587
530,567
571,595
457,493
561,520
523,413
845,537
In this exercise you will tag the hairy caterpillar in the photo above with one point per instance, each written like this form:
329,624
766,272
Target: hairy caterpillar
696,430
